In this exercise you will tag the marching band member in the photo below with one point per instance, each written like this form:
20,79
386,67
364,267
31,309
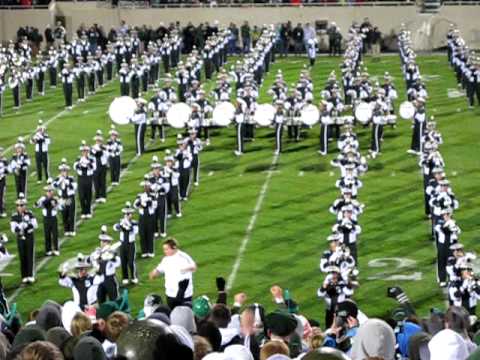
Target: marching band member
28,78
2,91
157,107
23,225
67,80
106,261
390,92
173,175
84,285
139,120
349,230
14,83
19,165
85,167
195,146
325,121
378,120
79,72
49,204
278,121
184,158
240,126
114,150
42,141
146,205
447,233
135,76
160,187
346,200
128,229
418,126
125,77
4,171
40,76
66,188
466,291
100,153
311,51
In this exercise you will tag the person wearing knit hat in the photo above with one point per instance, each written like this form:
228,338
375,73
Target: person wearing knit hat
42,141
19,164
128,229
172,174
100,152
375,338
325,353
201,307
106,260
23,224
88,348
115,150
85,167
58,336
49,204
66,187
28,335
49,316
183,316
146,204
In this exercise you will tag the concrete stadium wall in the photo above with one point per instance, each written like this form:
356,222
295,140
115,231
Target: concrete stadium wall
428,30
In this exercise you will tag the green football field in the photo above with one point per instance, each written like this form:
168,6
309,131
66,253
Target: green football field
259,221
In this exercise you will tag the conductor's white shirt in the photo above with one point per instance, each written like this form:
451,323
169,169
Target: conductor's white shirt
171,267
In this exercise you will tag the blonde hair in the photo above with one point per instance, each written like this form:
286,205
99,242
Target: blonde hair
80,324
40,350
202,347
274,347
116,322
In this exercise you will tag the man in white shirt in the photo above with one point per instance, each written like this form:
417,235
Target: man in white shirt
178,267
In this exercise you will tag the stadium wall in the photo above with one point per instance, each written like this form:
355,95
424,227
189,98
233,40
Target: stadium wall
428,29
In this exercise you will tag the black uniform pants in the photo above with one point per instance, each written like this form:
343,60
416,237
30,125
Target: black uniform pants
85,194
68,94
41,159
53,76
108,288
124,89
240,135
417,135
278,137
3,188
196,168
50,231
21,182
127,258
184,182
157,128
41,83
91,83
81,88
146,227
249,131
109,71
115,167
376,136
324,138
140,138
443,253
100,182
16,96
173,200
68,215
161,214
29,89
26,253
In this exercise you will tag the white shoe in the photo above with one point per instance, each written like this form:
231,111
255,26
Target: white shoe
39,181
56,253
196,183
103,200
114,183
162,141
179,215
169,216
48,253
207,142
88,216
276,152
238,153
72,234
155,235
134,281
3,215
125,282
323,153
31,280
410,151
185,199
24,280
98,201
83,216
143,256
151,255
163,235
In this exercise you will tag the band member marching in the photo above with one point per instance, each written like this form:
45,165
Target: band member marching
42,141
100,153
106,261
173,175
160,187
139,120
114,149
67,80
240,126
23,225
184,159
195,146
278,122
325,109
128,229
85,167
19,165
4,171
418,126
49,204
146,205
66,188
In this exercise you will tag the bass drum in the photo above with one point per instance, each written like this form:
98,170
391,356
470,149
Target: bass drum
264,115
121,110
406,110
363,112
223,114
178,115
309,115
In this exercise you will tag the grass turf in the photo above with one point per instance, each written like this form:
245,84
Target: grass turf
290,231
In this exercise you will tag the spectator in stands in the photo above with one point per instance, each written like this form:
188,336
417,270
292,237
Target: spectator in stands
41,350
59,34
49,39
376,41
308,34
112,35
297,35
188,37
200,36
232,42
366,30
246,37
123,28
284,39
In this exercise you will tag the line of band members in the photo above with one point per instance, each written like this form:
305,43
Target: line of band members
164,188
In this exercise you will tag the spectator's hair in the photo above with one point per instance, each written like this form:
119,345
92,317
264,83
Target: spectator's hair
457,320
317,338
40,350
115,324
172,243
80,324
274,347
33,315
202,347
220,315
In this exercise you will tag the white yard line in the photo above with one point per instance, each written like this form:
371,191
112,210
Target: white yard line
251,224
62,240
